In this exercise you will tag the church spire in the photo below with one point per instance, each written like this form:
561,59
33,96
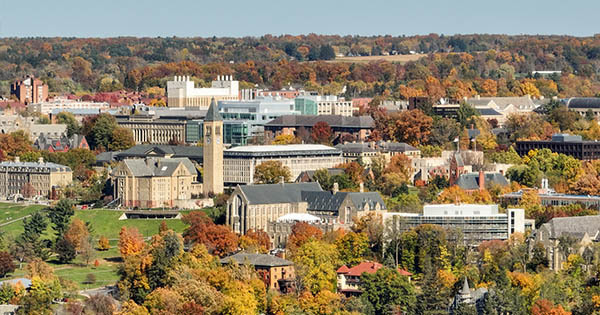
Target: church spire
213,112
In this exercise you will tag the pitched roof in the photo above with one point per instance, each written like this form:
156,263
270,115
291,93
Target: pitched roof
355,147
484,111
521,103
144,150
311,174
332,120
368,267
262,260
575,226
397,146
327,201
213,112
470,181
277,193
157,166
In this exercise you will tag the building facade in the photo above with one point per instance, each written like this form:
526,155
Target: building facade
181,92
324,105
257,112
63,104
29,90
154,182
477,223
42,176
563,143
359,127
240,162
349,278
275,272
585,106
154,130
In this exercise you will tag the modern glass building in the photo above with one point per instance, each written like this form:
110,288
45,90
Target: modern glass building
235,132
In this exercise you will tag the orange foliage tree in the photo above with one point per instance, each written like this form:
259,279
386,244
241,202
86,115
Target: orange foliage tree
218,239
131,241
301,233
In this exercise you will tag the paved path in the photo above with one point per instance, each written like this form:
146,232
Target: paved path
15,220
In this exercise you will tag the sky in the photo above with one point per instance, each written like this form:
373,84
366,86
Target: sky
238,18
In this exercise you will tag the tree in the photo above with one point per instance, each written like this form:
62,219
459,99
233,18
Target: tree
60,215
65,250
321,133
326,53
271,172
121,139
465,113
352,248
28,190
387,289
412,127
259,239
100,304
130,241
103,243
69,119
6,264
218,239
284,139
302,232
77,234
99,130
443,131
166,250
90,278
316,263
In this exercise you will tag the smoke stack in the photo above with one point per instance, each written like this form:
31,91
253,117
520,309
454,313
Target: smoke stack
336,188
481,180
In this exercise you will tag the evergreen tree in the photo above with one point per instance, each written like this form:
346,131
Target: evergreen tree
65,250
60,215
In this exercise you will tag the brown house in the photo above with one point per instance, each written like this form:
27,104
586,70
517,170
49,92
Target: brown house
277,273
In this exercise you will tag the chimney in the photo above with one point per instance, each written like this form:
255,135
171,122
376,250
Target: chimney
281,180
17,159
336,188
481,180
361,187
41,160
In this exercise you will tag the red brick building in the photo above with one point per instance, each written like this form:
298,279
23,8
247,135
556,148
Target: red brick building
29,90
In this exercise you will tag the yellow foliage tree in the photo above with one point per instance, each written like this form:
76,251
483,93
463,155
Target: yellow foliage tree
130,241
284,139
103,243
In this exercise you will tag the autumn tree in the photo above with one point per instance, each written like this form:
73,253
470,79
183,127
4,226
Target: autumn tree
321,133
103,243
218,239
316,263
256,241
130,241
28,190
121,139
284,139
412,127
77,234
302,232
6,264
271,172
353,247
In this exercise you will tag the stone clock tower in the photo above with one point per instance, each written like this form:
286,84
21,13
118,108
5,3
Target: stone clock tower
213,151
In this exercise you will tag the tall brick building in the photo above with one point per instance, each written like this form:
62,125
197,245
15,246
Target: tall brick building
29,90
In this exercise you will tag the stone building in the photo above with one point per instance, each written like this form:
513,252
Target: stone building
154,130
580,233
359,127
44,177
182,93
213,151
269,208
29,90
275,272
240,162
154,182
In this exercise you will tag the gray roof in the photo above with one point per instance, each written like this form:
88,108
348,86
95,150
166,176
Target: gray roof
583,102
522,103
327,201
145,150
470,181
575,226
397,146
106,157
311,174
277,193
332,120
262,260
473,133
157,166
35,166
355,147
213,112
488,112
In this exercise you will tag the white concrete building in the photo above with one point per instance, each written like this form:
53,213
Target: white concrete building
239,163
181,92
477,223
64,104
324,105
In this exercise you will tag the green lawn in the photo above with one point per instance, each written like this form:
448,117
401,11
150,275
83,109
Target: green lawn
104,223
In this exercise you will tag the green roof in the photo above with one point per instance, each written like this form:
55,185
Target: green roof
213,112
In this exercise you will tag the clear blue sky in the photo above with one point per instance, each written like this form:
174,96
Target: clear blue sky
185,18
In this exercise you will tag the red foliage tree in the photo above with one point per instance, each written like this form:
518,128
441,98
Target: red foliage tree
7,264
302,232
261,237
218,239
321,133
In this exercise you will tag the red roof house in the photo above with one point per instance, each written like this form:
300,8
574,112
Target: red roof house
348,279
